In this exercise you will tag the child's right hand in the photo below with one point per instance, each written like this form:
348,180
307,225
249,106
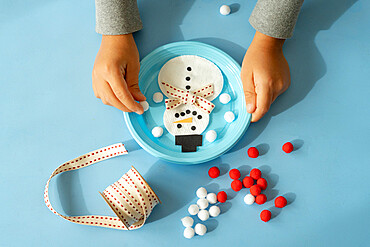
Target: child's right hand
115,73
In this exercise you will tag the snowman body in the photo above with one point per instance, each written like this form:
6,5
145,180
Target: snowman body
190,82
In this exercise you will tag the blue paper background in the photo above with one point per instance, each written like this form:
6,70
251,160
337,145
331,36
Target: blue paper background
49,115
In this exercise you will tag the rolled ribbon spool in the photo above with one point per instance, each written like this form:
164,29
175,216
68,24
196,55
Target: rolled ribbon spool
130,198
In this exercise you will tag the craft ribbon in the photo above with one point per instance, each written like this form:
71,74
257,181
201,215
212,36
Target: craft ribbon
130,198
180,96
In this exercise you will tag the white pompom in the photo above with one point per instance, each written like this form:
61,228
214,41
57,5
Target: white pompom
145,105
202,203
157,97
225,98
203,215
193,209
249,199
214,211
188,232
187,221
201,192
229,116
157,131
200,229
212,198
225,10
211,136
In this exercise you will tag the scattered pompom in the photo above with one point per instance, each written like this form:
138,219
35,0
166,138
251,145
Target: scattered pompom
248,182
262,183
157,97
211,136
225,10
280,202
253,152
189,232
203,215
193,209
201,192
144,104
229,116
261,199
200,229
157,131
214,172
234,174
212,198
255,174
202,203
288,147
214,211
225,98
187,221
222,196
265,215
236,185
255,190
249,199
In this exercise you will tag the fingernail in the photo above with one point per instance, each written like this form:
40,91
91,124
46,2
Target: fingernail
250,108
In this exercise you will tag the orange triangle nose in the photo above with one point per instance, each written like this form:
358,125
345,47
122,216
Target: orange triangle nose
186,120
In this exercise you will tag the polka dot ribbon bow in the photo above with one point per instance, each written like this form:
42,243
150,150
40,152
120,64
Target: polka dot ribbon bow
197,97
130,198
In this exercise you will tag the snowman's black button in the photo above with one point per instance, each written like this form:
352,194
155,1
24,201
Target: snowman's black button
188,68
199,116
179,126
187,78
177,115
193,127
194,113
182,113
188,111
187,87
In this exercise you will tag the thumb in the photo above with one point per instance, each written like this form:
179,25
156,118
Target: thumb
132,79
249,92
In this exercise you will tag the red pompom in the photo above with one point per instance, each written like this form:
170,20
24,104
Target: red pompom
262,183
288,147
248,182
255,173
253,152
255,190
234,174
214,172
222,196
261,199
265,215
280,202
236,185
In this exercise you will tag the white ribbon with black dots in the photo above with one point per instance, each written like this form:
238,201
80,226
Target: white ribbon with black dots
130,198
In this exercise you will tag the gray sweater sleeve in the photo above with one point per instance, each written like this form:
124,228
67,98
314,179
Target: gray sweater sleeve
276,18
114,17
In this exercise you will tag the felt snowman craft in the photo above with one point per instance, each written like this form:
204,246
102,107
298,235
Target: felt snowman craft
191,83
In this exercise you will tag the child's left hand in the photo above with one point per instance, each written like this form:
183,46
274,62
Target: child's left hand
265,74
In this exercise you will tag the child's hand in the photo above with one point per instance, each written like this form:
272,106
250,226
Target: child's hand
115,73
265,74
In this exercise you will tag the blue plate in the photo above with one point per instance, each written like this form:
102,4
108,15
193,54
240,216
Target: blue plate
228,134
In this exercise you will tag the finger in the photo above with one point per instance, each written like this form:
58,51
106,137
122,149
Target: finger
110,99
132,79
263,100
120,89
249,91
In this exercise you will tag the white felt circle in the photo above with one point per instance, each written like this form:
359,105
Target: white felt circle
199,71
145,105
157,131
157,97
200,229
211,135
199,120
225,98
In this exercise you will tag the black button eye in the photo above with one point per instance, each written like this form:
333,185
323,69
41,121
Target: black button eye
194,113
182,113
193,127
187,78
199,116
179,126
187,87
177,115
188,111
188,68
